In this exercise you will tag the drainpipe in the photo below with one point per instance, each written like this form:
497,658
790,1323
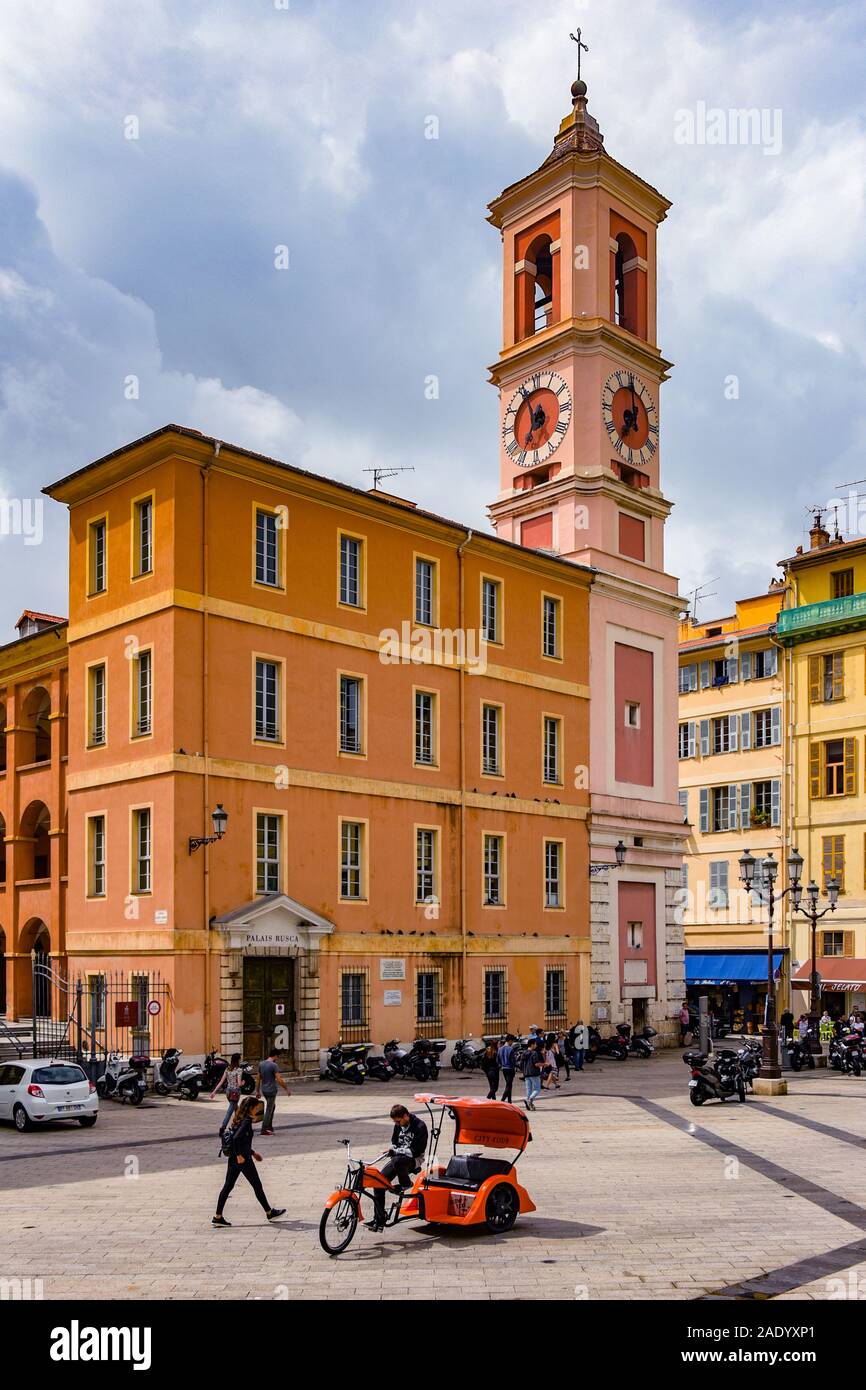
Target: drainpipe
461,676
205,726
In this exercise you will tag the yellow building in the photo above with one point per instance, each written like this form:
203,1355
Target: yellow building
732,791
823,633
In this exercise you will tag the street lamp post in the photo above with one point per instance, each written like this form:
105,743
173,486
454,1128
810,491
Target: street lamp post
809,910
770,1068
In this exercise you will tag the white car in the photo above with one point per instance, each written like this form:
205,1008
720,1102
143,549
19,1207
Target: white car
32,1092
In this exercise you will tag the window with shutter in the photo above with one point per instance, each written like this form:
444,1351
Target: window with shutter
848,943
705,738
684,805
745,805
733,668
704,799
814,680
838,676
733,798
733,730
705,674
746,666
776,803
833,860
692,733
850,767
814,769
745,731
776,736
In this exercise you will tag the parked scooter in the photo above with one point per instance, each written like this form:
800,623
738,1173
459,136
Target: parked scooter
347,1062
124,1080
638,1044
717,1080
379,1068
467,1055
612,1047
170,1078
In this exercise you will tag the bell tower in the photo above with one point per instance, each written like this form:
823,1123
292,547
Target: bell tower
579,377
579,371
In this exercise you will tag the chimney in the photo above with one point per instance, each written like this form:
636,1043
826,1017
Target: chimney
819,535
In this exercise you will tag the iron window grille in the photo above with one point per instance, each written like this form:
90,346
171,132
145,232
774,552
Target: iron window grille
495,998
555,1005
428,1001
354,1004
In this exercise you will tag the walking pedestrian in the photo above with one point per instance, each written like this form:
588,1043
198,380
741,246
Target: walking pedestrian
230,1082
685,1024
551,1067
507,1059
269,1080
562,1055
490,1067
580,1036
531,1068
242,1159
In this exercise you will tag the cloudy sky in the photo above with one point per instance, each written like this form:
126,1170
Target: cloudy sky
301,123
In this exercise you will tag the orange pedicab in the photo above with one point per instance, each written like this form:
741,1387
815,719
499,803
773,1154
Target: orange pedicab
471,1190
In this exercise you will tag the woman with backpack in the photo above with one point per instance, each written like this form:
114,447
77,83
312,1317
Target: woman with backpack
237,1147
530,1066
230,1082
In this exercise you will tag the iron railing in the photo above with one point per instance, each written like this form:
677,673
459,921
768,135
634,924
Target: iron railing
86,1016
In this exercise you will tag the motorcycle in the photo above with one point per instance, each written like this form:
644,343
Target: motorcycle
124,1080
800,1054
716,1081
347,1062
846,1053
214,1069
638,1044
170,1078
422,1061
466,1055
612,1047
749,1058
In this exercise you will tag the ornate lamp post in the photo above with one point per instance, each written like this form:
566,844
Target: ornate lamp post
809,910
220,819
619,851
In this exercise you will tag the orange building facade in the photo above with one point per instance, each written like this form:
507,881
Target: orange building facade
393,712
33,822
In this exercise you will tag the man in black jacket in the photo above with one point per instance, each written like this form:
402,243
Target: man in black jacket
408,1145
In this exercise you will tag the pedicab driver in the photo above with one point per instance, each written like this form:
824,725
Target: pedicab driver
408,1144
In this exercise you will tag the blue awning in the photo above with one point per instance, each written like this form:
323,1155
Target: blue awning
728,968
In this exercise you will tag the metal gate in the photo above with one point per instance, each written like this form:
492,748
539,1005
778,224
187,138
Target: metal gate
85,1017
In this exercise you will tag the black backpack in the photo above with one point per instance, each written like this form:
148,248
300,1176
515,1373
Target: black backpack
228,1141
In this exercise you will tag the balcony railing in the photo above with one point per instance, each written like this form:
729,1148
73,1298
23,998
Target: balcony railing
831,613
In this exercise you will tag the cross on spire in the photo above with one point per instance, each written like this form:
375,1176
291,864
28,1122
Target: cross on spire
580,45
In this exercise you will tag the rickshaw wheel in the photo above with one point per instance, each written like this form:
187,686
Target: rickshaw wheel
338,1226
502,1207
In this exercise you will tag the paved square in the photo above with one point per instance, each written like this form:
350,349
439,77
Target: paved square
639,1194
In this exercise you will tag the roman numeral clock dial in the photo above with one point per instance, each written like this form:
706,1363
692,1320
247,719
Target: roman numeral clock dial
630,417
536,419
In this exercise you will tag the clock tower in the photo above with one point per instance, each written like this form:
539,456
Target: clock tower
579,377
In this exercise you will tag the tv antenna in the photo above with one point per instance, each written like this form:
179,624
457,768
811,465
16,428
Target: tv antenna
388,473
701,591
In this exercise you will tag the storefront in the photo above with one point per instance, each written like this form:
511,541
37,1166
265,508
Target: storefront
735,983
843,985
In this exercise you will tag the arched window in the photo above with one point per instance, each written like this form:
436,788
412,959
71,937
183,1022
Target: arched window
35,843
629,287
35,736
536,303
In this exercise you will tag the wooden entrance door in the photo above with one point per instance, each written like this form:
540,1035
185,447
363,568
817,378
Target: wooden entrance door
269,1004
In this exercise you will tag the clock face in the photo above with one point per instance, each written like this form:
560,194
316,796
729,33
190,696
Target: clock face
630,417
536,420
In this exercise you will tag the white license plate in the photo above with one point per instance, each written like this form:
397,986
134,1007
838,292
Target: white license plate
693,1083
69,1107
